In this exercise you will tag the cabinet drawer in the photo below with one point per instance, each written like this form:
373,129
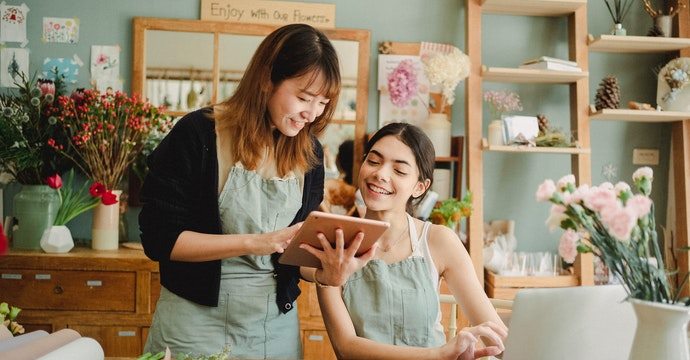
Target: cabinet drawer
117,341
69,290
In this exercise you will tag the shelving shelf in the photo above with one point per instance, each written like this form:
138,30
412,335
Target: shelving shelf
533,149
635,44
638,115
531,7
513,75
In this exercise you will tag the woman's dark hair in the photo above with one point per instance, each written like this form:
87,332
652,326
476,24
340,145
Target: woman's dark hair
289,52
421,146
344,159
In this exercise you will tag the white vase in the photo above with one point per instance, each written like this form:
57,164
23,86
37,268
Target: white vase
661,331
105,226
665,24
437,128
496,132
57,239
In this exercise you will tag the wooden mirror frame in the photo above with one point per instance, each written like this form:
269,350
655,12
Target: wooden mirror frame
217,28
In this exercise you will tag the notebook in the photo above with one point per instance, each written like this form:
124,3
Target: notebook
575,323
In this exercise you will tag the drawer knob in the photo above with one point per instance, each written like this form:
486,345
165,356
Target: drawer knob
58,289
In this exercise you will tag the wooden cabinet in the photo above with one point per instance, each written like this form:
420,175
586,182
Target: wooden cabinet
315,342
106,295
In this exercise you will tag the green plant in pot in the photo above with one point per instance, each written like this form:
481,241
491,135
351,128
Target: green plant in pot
25,127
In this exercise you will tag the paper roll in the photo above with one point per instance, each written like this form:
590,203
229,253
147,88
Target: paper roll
441,183
81,349
39,347
17,341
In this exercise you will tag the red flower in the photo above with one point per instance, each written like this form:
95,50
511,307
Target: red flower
54,181
97,189
3,241
109,198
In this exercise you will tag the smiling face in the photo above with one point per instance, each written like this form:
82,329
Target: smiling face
297,102
389,176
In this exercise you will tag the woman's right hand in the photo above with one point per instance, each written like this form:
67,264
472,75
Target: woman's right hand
463,345
276,241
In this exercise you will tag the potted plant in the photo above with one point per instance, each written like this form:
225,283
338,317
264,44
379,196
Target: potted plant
25,154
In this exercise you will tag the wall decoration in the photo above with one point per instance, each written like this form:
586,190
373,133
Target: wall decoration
67,67
13,23
403,89
13,62
610,172
61,30
105,67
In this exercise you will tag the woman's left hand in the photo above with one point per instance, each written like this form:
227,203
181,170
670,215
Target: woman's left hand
338,262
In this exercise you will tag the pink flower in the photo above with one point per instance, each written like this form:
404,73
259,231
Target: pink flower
599,198
556,216
564,181
502,101
621,187
567,247
620,223
402,83
545,190
3,241
579,194
606,185
640,205
46,86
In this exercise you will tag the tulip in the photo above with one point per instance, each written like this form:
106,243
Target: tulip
54,181
97,189
108,198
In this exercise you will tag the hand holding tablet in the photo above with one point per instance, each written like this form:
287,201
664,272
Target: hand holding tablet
326,223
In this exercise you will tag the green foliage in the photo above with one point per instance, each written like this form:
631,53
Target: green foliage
448,212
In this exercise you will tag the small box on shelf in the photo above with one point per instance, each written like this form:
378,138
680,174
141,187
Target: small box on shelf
505,287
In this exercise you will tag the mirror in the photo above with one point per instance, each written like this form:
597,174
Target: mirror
187,64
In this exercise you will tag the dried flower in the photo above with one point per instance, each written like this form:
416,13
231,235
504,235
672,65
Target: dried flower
402,83
619,228
447,70
677,75
105,132
502,101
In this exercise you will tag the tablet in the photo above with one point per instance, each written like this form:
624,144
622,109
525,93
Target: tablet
327,223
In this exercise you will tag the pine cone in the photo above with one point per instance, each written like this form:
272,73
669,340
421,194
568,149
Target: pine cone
608,94
655,31
544,124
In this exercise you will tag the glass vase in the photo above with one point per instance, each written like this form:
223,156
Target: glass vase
618,29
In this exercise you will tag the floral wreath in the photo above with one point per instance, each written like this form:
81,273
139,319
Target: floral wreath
677,76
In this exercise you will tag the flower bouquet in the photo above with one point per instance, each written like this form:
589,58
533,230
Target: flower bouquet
449,212
618,227
105,132
8,317
502,101
446,70
25,129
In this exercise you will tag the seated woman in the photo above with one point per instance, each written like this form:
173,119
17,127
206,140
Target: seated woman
390,308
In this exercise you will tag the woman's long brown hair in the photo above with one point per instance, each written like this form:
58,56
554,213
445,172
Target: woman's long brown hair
289,52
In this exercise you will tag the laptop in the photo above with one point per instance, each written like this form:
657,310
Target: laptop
574,323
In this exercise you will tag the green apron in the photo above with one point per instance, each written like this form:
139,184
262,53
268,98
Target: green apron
247,319
395,304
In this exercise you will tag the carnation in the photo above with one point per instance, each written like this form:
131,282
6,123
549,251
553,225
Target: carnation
402,83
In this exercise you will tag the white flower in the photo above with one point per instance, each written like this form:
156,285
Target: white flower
447,70
621,187
646,172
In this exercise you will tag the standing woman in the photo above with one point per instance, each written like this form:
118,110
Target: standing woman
390,308
224,192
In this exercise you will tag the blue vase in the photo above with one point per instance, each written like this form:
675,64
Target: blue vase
35,209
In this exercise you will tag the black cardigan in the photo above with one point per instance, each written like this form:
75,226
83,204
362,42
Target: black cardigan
181,193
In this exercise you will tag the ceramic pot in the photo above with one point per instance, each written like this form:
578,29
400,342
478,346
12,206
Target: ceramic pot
35,209
438,128
57,239
665,24
661,331
106,224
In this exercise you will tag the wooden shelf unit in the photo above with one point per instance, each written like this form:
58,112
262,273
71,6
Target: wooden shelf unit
580,159
531,7
635,44
516,75
638,115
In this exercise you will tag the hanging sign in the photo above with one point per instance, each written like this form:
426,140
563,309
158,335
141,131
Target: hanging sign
269,12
